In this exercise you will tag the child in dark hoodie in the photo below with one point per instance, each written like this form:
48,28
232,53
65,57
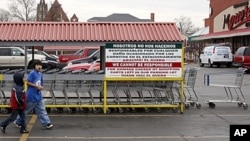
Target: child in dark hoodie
17,103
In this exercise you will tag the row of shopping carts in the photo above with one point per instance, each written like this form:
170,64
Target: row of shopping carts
69,90
79,90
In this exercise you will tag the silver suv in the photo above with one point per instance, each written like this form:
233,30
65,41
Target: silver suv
14,57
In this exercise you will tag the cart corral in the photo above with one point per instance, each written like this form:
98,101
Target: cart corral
134,79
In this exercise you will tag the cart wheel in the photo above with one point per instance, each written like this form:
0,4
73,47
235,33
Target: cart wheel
133,110
73,110
89,110
159,110
59,110
240,104
211,105
245,106
69,110
48,110
108,111
127,110
192,104
187,106
95,110
198,105
121,110
146,110
6,110
175,110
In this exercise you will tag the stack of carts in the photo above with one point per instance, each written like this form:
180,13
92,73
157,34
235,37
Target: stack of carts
232,86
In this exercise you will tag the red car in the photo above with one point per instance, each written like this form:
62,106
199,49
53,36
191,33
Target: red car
84,66
242,57
95,66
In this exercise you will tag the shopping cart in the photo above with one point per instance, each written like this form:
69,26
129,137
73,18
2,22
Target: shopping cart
217,80
190,96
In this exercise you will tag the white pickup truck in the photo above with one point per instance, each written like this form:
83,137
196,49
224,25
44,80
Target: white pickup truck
14,57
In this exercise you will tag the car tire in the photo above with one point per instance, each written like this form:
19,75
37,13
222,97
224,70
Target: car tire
229,65
210,64
200,63
49,67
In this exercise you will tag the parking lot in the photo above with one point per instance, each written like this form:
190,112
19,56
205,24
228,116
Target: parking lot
194,124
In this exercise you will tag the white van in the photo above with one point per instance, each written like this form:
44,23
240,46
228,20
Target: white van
216,55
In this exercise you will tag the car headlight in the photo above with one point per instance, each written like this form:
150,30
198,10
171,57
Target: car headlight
69,64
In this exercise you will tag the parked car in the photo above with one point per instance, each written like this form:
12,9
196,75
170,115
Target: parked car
82,53
84,66
216,55
95,66
242,57
14,57
48,57
52,61
94,56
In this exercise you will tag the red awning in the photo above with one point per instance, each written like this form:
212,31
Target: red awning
224,34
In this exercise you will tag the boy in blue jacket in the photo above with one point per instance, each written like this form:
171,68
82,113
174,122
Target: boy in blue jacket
17,103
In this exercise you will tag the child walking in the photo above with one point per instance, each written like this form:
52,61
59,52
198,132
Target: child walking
17,103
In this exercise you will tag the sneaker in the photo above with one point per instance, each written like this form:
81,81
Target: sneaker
3,129
24,131
48,126
17,125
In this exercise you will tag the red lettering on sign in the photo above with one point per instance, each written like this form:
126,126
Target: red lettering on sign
234,21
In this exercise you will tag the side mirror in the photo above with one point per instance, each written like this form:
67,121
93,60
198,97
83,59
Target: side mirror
94,58
21,54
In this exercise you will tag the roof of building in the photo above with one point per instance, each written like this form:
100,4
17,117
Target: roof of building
118,17
202,31
88,32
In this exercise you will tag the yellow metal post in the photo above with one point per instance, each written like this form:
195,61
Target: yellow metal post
105,96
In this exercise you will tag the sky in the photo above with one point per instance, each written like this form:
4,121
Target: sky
165,10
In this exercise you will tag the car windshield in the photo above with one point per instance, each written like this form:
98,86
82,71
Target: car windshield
94,54
30,51
44,53
79,52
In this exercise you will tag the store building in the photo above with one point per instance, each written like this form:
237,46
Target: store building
228,22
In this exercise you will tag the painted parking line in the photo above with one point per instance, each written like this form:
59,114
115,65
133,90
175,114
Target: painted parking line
30,125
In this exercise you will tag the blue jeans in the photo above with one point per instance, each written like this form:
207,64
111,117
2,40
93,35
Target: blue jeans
40,110
13,116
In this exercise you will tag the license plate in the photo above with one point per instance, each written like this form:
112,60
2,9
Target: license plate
226,56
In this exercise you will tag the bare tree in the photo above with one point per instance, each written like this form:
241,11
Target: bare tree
185,25
4,15
22,10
